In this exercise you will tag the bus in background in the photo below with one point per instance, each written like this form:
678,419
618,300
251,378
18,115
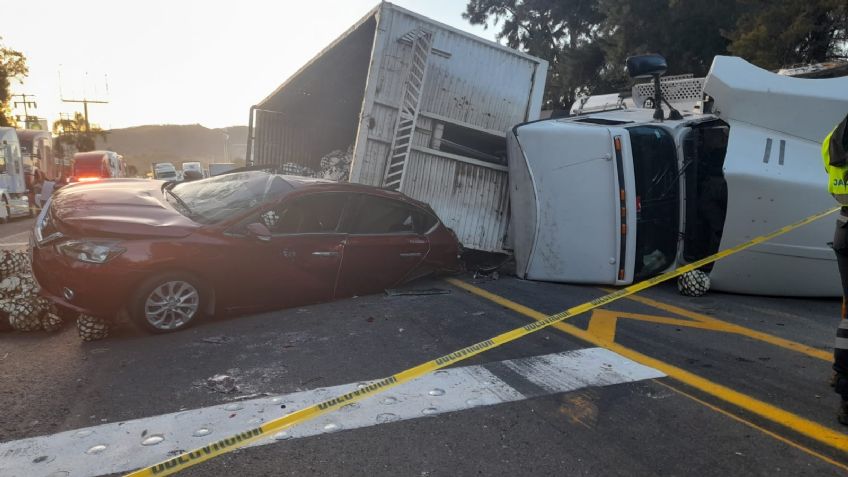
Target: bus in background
95,165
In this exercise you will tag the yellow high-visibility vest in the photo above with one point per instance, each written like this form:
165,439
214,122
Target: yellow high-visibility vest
837,175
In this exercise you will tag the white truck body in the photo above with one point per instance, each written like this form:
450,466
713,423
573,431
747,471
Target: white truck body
423,108
583,211
13,199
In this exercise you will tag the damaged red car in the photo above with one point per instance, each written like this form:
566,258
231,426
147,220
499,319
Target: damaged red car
232,244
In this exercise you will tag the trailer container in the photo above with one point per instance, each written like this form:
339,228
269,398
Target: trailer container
409,104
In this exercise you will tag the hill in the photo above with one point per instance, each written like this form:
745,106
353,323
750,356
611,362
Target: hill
143,145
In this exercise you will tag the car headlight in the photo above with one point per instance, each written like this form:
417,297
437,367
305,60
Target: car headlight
90,251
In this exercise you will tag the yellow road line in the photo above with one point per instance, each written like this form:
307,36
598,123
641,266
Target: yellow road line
754,426
736,329
801,425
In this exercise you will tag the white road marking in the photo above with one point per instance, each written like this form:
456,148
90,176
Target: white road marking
122,446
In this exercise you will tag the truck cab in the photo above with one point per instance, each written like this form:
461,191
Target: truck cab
618,196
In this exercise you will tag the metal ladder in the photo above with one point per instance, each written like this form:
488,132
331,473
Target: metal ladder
422,44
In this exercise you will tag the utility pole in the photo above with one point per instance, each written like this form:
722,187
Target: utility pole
26,105
85,103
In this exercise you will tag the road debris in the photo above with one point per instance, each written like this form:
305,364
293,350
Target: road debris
222,383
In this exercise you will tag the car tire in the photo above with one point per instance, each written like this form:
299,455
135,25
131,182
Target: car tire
168,302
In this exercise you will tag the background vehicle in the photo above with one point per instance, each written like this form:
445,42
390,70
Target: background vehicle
423,109
192,166
235,243
13,192
164,171
218,168
94,165
619,196
37,151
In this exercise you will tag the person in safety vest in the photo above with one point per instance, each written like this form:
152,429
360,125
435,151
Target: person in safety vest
835,154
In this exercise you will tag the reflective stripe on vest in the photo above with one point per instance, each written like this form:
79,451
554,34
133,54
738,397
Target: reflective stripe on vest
837,183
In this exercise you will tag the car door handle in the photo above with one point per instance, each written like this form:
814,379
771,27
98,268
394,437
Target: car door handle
325,254
410,254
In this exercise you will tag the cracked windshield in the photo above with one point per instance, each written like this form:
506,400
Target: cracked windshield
424,238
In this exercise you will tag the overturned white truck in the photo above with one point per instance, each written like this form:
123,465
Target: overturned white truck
617,196
407,103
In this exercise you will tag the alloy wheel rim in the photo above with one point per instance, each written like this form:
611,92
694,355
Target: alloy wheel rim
171,305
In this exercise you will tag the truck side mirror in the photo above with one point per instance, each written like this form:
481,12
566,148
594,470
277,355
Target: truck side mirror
259,231
645,66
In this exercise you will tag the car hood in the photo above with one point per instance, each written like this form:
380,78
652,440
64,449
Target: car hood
120,208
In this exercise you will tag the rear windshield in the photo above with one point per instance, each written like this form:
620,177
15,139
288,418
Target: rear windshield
218,198
87,166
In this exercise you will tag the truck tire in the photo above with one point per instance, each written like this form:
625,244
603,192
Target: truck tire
168,302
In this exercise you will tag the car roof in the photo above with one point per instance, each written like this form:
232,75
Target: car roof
307,183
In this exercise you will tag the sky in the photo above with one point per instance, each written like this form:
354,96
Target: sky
180,61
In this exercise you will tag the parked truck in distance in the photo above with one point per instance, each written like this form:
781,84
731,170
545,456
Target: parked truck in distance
13,192
164,171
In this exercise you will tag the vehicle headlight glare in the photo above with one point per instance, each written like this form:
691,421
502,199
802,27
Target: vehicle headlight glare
89,251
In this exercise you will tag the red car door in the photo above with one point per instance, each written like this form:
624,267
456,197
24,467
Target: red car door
299,263
384,245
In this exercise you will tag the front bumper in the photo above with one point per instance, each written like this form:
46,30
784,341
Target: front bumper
98,290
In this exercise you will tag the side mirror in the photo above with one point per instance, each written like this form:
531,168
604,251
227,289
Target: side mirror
646,66
259,231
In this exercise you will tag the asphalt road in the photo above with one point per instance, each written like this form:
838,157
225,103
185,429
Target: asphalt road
741,388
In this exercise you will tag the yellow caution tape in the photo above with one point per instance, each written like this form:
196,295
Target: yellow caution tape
188,459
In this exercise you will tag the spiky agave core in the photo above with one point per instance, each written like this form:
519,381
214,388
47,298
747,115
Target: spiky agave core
694,283
19,298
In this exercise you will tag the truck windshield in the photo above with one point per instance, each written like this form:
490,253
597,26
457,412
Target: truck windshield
657,199
218,198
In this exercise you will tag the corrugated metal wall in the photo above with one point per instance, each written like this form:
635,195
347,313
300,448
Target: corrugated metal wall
468,83
470,199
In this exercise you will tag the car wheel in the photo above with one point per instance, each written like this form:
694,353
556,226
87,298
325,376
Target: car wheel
168,302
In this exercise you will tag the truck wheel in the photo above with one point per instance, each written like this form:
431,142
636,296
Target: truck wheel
167,302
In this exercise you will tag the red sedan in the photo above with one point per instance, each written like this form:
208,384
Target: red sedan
235,243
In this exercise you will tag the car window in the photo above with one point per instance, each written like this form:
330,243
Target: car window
215,199
378,215
317,213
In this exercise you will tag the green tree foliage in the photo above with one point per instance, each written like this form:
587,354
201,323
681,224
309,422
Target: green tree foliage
587,41
77,133
564,32
777,34
12,66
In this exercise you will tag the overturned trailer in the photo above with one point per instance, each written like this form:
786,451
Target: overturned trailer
408,104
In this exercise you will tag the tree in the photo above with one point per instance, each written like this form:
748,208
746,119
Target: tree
12,66
688,33
778,34
587,41
564,32
76,132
